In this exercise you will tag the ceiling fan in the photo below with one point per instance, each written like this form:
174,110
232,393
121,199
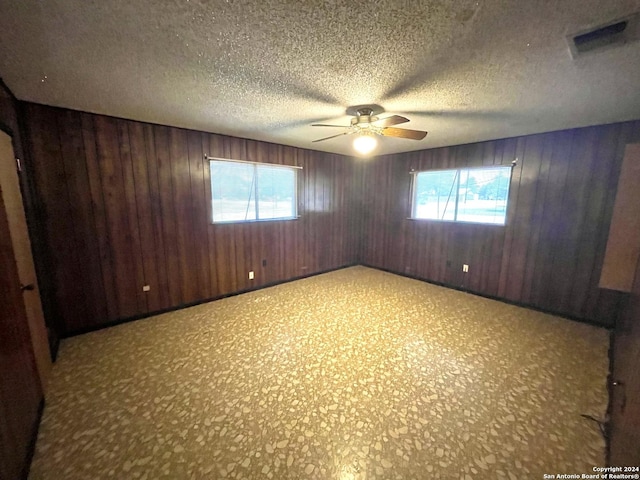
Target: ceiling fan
366,125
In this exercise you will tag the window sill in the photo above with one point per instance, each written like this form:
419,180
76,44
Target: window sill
455,222
265,220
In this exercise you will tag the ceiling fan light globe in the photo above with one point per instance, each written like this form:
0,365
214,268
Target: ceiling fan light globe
365,144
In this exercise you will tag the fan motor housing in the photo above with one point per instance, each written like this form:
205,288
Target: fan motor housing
364,116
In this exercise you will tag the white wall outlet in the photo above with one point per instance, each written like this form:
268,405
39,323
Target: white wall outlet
251,275
146,288
465,268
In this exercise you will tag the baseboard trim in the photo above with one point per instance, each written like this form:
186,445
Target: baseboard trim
493,297
32,444
280,282
199,302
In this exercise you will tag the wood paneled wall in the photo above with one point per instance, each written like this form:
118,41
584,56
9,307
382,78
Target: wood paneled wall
550,253
125,204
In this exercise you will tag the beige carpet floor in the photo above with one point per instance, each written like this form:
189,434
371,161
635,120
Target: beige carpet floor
351,375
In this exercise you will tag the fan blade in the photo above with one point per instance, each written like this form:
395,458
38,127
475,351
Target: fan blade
404,133
388,121
332,136
325,125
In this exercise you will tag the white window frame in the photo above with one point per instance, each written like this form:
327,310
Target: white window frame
455,197
256,165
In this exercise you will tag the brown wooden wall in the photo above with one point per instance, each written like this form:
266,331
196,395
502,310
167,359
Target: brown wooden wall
549,254
125,204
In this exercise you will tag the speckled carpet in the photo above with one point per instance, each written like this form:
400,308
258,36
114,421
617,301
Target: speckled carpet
351,375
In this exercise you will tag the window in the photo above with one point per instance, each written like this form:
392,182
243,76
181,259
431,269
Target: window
477,195
247,192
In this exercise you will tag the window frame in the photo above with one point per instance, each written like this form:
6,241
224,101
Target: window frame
413,194
256,165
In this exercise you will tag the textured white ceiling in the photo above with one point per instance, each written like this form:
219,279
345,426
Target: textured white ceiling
463,70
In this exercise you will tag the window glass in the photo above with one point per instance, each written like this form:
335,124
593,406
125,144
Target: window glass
435,195
477,195
276,192
244,192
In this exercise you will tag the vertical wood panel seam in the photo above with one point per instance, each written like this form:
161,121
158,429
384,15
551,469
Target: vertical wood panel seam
106,215
160,233
93,215
74,223
547,144
56,114
173,193
515,226
602,214
591,141
137,219
191,224
585,215
564,193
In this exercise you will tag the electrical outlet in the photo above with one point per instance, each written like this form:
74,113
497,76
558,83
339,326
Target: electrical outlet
465,268
146,288
251,275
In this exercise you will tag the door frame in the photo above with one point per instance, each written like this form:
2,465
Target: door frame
21,389
30,202
623,382
20,237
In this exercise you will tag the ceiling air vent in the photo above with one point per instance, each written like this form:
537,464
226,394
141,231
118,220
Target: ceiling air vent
609,35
